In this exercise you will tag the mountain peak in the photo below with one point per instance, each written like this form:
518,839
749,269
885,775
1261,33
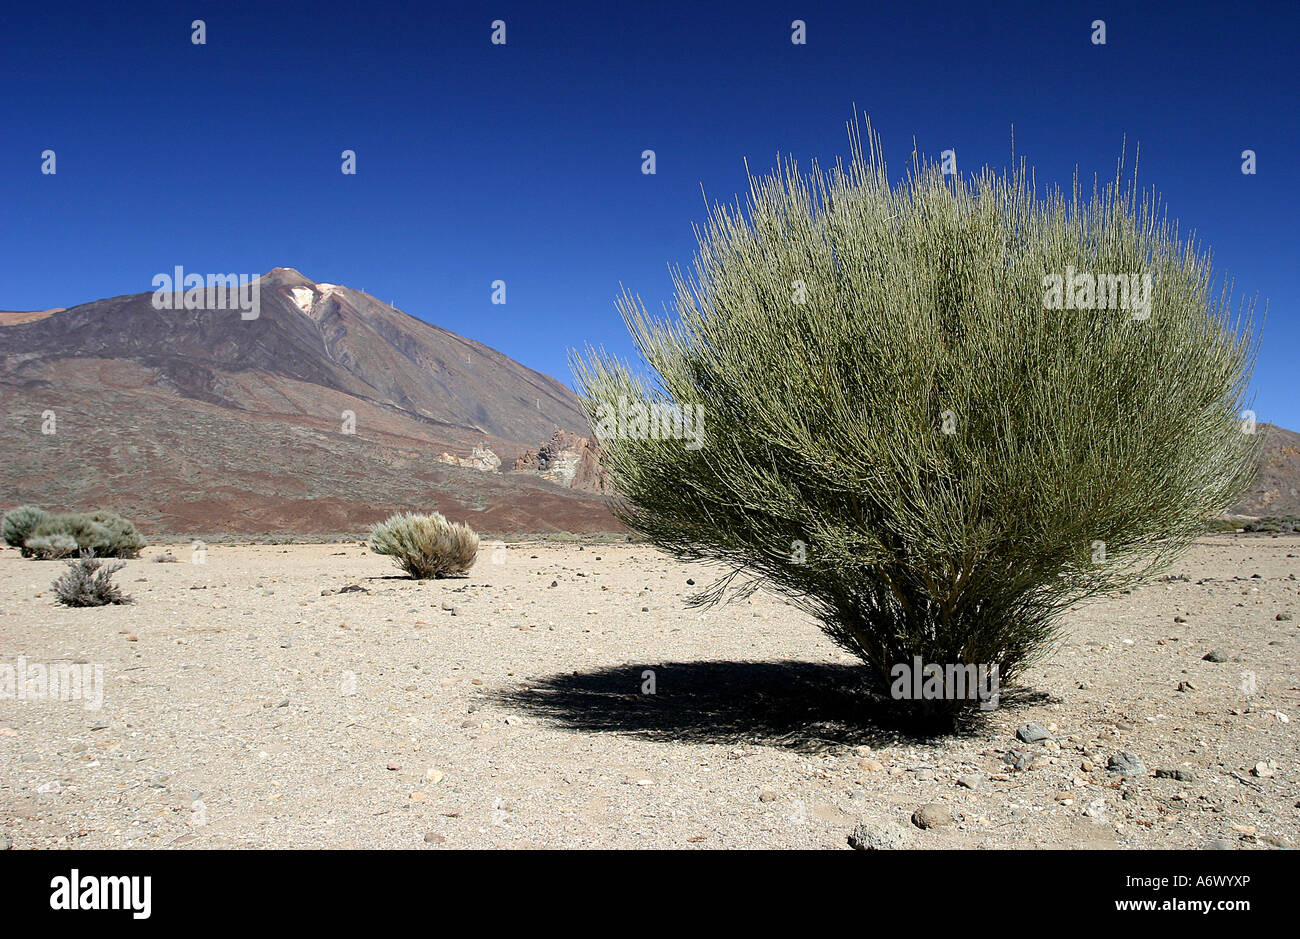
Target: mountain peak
286,275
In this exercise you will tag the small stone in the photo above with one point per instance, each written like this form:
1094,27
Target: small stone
1182,775
1219,844
394,766
879,836
1033,733
932,815
970,781
448,605
5,843
555,583
1126,763
419,797
433,776
1180,619
871,766
432,837
1215,655
1086,766
690,582
767,795
1284,617
1263,770
1186,686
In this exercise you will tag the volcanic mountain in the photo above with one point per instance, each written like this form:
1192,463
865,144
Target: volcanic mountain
1276,489
323,414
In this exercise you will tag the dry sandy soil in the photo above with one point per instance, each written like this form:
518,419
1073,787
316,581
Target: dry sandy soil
243,708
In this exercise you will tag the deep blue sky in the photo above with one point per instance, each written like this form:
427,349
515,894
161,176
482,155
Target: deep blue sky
478,162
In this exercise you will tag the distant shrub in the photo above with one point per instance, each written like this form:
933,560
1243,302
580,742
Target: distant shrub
100,534
425,545
1277,524
88,583
18,524
1222,524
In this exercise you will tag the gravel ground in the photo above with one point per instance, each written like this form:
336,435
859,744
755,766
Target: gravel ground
244,707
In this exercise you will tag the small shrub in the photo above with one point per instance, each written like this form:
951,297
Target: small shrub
426,545
102,534
18,525
87,582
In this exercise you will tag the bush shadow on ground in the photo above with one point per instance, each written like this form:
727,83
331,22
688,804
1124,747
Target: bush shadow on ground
806,706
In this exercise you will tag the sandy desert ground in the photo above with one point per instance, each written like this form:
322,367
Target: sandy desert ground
244,706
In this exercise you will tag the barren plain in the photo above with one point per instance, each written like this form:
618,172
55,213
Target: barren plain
248,703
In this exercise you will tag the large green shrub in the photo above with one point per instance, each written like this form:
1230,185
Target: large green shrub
100,534
902,430
426,545
18,524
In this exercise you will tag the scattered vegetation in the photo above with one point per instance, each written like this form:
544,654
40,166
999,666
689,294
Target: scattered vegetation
1274,523
87,582
904,432
426,545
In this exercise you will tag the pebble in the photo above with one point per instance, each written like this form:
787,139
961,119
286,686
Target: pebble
1182,775
970,781
932,815
871,766
1033,733
1018,760
1215,655
767,795
1283,617
1126,763
879,836
432,837
1263,770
